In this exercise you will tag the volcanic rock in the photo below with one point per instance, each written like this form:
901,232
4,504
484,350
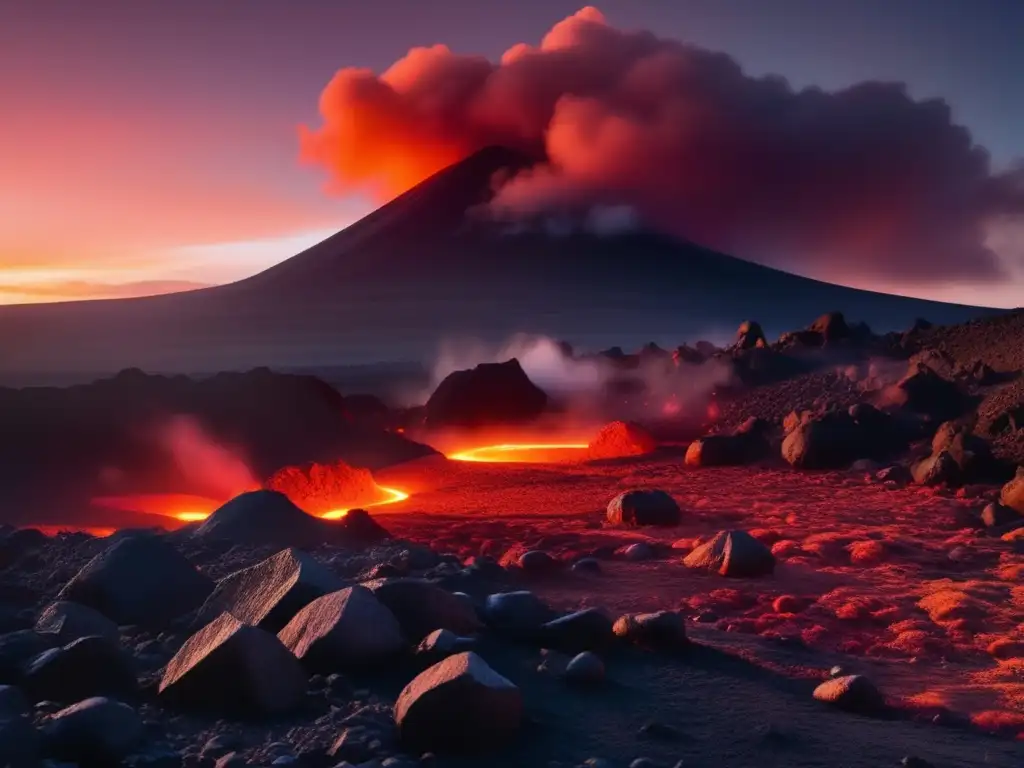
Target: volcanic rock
638,552
585,668
749,335
924,391
140,580
344,629
441,643
832,327
19,742
16,650
937,469
826,442
1012,494
972,454
853,693
620,439
996,515
458,705
490,393
270,593
12,702
586,565
587,630
732,553
231,668
96,731
640,507
536,562
664,630
89,666
422,607
359,527
520,614
66,621
265,518
727,450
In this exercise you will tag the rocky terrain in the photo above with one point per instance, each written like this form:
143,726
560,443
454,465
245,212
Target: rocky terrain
817,561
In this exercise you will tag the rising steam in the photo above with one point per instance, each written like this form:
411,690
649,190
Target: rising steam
204,463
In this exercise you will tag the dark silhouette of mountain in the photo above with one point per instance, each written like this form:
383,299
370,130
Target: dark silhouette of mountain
421,269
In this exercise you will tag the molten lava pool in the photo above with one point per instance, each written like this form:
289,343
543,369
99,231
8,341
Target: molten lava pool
523,453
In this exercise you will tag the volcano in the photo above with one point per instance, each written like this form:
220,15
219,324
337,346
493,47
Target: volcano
423,268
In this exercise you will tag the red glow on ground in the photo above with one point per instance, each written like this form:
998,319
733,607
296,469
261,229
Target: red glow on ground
523,453
393,497
54,530
185,507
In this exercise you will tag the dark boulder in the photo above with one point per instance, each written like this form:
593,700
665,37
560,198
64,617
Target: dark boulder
1012,494
829,441
519,614
266,518
996,515
972,454
491,393
139,580
924,391
732,553
663,631
750,335
421,607
747,444
832,327
459,705
19,743
89,666
97,731
17,649
65,621
346,629
587,630
270,593
853,693
231,668
642,507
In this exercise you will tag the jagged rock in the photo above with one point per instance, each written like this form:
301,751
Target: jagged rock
750,335
732,553
422,607
140,580
517,613
585,668
266,518
937,469
233,668
832,327
853,693
65,621
640,507
490,393
96,731
19,742
1012,494
344,629
586,630
270,593
664,630
17,649
458,705
996,515
826,442
89,666
620,439
924,391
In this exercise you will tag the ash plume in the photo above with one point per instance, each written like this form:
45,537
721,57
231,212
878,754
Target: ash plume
203,462
864,185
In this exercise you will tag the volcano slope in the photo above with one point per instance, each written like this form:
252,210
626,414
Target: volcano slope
424,268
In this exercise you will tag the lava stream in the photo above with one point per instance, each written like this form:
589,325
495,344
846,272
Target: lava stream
520,452
394,496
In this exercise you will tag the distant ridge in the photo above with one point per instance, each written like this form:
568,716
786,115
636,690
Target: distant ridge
418,270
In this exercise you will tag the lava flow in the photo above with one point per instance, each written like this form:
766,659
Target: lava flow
393,496
524,453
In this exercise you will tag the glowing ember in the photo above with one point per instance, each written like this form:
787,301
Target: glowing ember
521,453
394,496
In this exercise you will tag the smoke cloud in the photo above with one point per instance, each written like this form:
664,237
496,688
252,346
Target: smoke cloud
860,184
218,470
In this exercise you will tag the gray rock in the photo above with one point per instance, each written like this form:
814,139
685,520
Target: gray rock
639,508
270,593
97,730
422,607
458,705
586,668
90,666
853,693
586,630
234,669
344,629
140,580
519,613
732,553
66,621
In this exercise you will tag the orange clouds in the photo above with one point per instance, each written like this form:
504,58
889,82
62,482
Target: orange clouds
862,182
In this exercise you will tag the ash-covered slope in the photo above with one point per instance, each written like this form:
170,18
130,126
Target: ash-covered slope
421,269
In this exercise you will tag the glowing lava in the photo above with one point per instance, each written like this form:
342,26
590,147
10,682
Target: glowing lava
521,453
181,506
394,496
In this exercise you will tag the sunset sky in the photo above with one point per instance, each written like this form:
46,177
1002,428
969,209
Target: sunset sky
148,146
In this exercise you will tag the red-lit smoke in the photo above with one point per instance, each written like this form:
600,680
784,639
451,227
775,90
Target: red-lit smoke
861,182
